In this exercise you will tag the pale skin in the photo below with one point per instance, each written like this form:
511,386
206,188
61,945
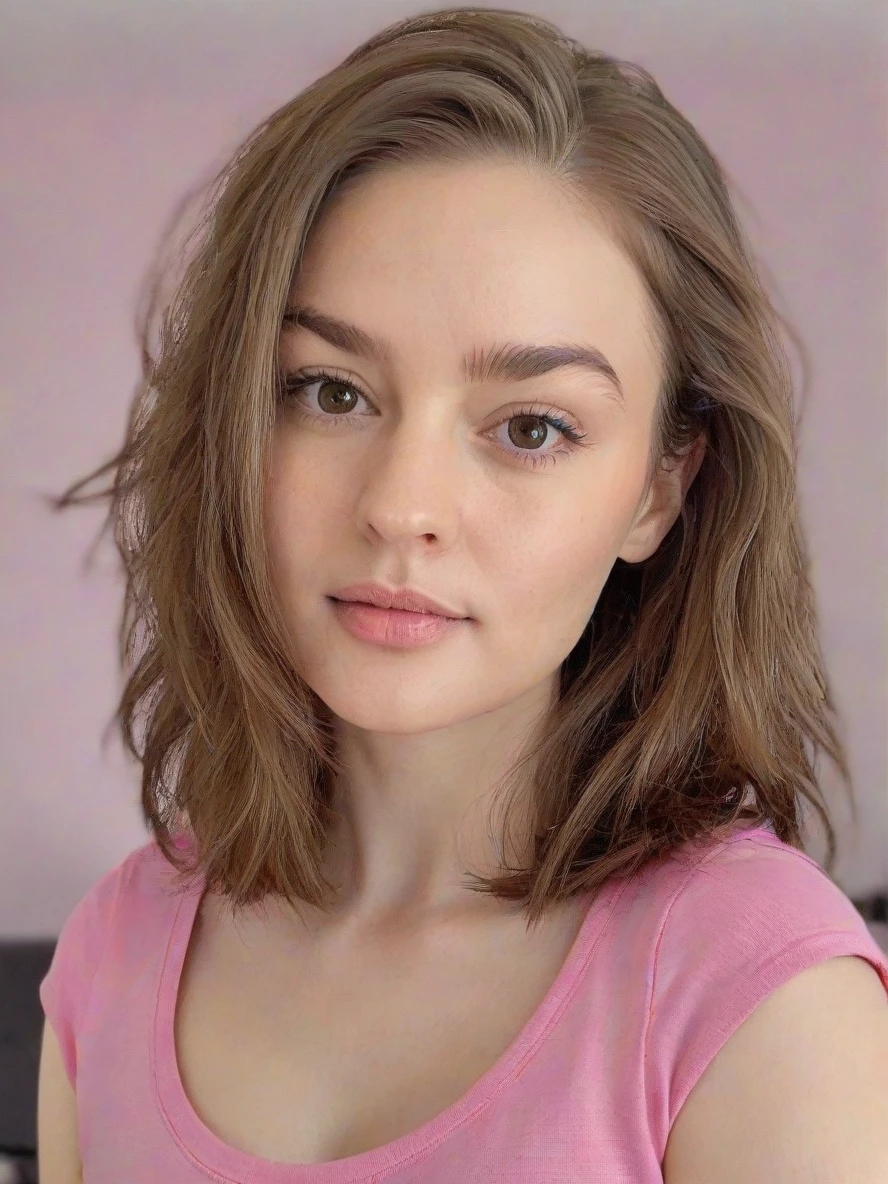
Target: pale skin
424,485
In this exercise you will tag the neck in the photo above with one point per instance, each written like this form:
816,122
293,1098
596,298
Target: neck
419,811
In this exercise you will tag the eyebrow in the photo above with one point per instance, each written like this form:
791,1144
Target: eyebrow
506,363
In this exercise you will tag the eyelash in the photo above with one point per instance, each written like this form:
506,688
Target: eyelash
293,384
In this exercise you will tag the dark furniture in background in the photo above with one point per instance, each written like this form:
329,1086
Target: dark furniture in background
23,965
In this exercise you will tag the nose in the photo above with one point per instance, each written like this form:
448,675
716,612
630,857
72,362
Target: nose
414,485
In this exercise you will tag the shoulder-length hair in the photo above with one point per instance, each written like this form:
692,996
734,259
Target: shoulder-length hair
689,703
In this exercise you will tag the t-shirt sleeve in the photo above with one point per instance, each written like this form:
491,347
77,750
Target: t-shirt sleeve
65,989
743,922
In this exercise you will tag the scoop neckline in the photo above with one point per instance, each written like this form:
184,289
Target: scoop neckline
222,1161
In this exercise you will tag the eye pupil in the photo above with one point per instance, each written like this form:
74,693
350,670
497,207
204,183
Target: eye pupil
343,400
531,429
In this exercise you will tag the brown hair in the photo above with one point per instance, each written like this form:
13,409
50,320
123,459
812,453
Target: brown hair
686,706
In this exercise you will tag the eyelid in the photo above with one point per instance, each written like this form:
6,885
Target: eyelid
566,425
289,378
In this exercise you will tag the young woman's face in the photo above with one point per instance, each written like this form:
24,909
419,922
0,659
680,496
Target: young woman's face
406,471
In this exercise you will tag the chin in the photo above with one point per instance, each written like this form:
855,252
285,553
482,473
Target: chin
403,713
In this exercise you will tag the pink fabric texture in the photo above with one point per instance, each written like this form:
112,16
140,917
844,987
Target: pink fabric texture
665,967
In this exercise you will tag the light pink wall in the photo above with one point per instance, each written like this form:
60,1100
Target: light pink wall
107,119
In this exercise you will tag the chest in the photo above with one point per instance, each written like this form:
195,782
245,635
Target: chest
303,1053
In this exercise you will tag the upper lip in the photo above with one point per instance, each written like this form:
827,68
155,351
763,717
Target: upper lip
404,598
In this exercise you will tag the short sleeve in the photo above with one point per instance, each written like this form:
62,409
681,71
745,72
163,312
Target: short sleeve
65,989
744,921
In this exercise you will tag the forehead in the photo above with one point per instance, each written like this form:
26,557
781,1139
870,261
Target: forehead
441,260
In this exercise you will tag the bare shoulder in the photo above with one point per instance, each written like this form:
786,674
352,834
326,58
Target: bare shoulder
58,1156
798,1092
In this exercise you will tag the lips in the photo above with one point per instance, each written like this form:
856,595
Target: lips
406,599
393,628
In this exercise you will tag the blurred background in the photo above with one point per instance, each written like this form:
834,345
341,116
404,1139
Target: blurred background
110,110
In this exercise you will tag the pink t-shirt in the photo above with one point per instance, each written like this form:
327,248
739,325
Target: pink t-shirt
665,967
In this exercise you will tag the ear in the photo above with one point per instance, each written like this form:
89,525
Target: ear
662,505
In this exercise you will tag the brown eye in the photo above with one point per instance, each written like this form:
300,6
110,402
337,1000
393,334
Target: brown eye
340,398
534,426
335,397
528,431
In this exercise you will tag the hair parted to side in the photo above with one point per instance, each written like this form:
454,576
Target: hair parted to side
691,701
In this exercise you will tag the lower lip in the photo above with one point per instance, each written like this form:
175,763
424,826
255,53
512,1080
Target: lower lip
391,626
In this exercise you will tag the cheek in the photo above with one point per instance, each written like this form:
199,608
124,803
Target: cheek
552,563
292,528
554,588
278,508
300,507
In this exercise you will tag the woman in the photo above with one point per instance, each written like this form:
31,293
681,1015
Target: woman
468,611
